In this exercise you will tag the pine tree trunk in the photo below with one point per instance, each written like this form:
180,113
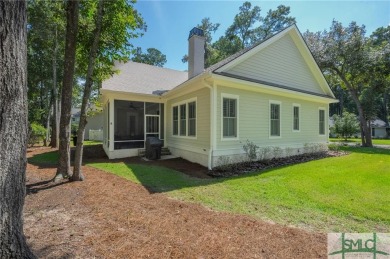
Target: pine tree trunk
56,119
49,115
13,128
72,16
77,174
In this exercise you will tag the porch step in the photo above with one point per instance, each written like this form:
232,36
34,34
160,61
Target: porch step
164,152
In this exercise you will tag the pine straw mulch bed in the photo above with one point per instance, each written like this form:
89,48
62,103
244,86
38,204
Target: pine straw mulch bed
109,217
256,166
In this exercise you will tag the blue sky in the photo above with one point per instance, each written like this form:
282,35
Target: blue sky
169,22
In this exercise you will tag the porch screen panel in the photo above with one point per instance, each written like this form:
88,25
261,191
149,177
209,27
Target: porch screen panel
128,124
161,121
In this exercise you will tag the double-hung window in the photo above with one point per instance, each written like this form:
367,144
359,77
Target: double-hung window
229,111
184,119
175,123
321,121
274,119
296,111
192,119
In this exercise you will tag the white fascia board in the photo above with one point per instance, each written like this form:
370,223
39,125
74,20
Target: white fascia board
257,87
120,95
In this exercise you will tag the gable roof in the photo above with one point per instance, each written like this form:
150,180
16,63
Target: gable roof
146,79
143,79
236,55
314,76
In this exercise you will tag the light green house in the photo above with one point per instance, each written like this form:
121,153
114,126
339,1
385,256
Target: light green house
272,94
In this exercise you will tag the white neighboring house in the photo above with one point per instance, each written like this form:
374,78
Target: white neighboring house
379,129
94,126
272,94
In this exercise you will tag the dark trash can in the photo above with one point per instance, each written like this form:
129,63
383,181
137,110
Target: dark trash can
74,140
153,147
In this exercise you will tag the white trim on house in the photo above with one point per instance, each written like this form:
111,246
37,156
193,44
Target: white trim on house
270,102
111,124
299,117
237,98
257,87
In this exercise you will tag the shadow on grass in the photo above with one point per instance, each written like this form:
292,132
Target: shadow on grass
159,178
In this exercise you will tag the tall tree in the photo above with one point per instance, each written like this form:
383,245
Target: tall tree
72,17
248,28
273,22
46,27
114,23
77,173
380,74
344,52
243,23
13,128
152,57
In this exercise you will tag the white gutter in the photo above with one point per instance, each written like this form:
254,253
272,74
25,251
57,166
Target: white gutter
212,108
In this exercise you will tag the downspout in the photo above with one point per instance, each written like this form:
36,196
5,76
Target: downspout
212,119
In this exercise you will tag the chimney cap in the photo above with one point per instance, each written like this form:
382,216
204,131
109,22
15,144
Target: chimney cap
196,31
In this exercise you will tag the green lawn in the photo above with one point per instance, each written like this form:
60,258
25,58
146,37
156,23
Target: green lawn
357,140
51,158
340,194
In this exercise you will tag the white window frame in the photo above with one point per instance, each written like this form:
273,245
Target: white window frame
186,102
237,98
299,117
321,109
280,118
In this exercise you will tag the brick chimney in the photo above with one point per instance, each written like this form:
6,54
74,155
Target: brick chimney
196,43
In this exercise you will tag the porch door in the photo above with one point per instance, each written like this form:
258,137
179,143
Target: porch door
152,127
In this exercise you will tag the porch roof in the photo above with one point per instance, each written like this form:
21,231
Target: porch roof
143,79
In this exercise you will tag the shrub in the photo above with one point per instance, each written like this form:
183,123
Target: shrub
288,151
250,149
346,125
277,152
224,163
37,134
334,147
263,153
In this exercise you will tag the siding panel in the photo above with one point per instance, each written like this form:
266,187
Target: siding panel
254,122
279,63
202,140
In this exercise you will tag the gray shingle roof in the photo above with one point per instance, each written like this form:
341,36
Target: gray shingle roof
143,79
